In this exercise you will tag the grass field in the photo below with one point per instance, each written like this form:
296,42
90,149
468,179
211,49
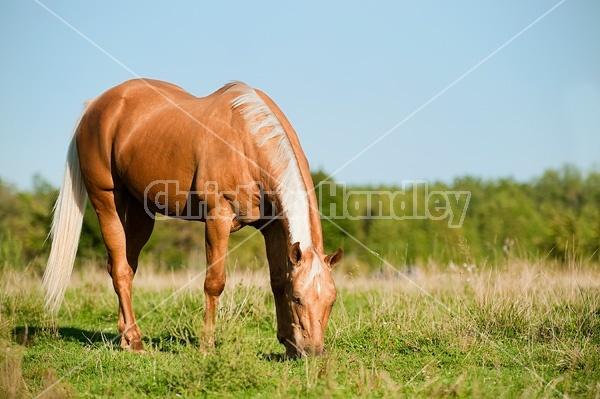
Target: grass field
521,330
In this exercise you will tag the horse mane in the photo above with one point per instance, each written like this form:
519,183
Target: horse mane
265,127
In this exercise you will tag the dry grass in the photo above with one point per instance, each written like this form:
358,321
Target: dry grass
523,329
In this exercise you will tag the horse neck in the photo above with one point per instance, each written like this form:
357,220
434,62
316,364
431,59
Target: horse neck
312,222
284,168
314,219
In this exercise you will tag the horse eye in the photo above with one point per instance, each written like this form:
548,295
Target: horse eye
295,299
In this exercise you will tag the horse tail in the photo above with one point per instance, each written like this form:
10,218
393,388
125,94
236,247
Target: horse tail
66,229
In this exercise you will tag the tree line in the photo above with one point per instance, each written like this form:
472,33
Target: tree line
469,221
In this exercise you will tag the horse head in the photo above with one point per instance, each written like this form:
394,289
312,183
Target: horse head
308,298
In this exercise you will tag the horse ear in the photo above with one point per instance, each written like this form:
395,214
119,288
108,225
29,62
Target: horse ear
334,258
295,253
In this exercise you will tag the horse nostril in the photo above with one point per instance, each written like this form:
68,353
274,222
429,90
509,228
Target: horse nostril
317,350
281,338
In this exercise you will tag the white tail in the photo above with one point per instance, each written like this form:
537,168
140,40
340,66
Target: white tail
66,229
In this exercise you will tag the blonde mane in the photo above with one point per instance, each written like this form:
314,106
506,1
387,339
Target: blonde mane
265,127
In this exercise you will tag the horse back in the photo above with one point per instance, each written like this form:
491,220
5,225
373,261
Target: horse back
154,139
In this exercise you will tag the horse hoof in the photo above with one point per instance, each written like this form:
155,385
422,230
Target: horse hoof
136,347
207,348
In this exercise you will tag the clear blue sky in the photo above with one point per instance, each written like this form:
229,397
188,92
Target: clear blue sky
344,72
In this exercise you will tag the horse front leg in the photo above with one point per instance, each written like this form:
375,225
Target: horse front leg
218,229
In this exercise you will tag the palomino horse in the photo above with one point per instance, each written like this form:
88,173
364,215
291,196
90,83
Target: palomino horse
229,159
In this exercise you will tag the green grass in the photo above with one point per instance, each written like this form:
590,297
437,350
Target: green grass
524,330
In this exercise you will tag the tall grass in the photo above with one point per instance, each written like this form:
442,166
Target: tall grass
521,329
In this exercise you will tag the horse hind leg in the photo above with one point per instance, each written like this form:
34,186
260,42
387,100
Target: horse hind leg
111,207
139,224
